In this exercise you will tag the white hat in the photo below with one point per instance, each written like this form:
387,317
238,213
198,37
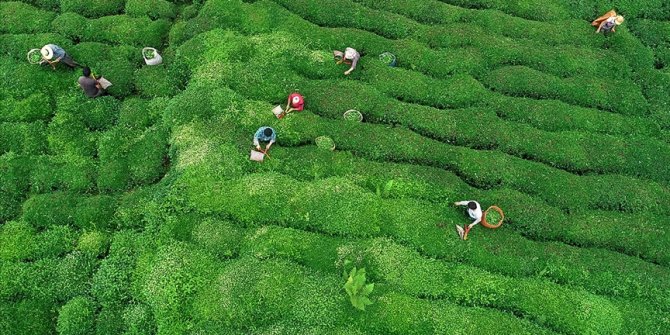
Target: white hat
47,52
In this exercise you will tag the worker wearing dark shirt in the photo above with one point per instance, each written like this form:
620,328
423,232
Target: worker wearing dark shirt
89,84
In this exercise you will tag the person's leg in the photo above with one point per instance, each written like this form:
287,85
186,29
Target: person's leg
69,61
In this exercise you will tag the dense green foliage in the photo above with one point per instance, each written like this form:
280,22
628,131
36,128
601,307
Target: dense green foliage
139,212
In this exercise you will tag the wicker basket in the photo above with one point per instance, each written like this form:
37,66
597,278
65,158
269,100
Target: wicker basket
497,224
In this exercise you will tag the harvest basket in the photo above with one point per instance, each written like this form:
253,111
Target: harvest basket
325,142
388,59
493,217
257,156
353,115
278,111
151,56
35,56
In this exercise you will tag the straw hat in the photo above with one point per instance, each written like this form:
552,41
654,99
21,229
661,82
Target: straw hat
618,20
47,52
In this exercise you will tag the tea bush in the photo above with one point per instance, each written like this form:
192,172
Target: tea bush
154,9
139,212
95,8
120,29
35,107
76,317
20,18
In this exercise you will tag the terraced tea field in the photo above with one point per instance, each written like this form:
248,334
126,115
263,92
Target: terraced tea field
139,212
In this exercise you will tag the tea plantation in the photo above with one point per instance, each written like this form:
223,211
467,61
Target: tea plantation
139,212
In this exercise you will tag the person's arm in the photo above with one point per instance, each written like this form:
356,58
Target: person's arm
256,143
353,65
461,203
53,67
601,26
474,223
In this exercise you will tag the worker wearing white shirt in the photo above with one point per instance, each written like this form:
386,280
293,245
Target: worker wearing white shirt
475,212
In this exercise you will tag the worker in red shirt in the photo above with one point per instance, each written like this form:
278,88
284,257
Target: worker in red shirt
296,102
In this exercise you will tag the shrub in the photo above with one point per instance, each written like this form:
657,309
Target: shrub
23,138
17,241
97,114
93,243
13,184
109,322
23,79
330,14
66,173
545,302
156,81
172,279
147,156
35,107
20,18
71,25
154,9
138,320
114,171
532,10
68,135
315,205
613,95
95,212
52,5
111,283
133,207
94,8
220,238
76,317
117,29
55,242
27,316
43,211
141,113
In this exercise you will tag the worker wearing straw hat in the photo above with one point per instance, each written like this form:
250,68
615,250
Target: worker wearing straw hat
474,211
349,56
608,22
53,54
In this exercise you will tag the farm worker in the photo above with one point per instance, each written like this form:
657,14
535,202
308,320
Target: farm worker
608,22
350,56
264,134
53,54
296,102
89,84
475,212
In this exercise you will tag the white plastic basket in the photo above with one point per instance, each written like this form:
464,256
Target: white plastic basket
278,111
353,115
157,59
32,52
256,156
325,142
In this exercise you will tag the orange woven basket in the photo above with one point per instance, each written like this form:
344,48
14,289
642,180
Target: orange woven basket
493,226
